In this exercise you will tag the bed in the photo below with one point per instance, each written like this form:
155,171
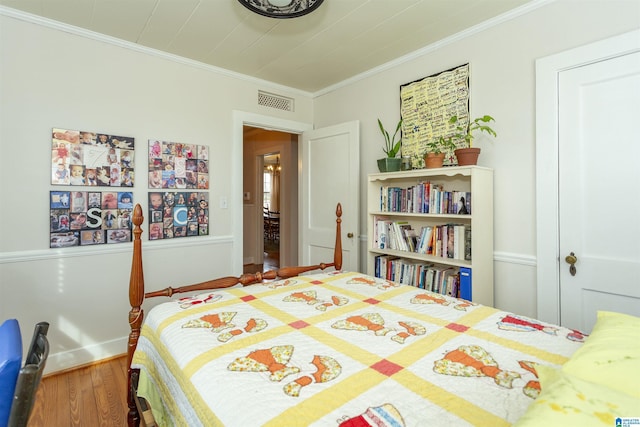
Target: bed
296,347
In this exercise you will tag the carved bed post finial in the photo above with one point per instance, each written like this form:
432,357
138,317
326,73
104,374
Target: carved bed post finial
136,314
337,250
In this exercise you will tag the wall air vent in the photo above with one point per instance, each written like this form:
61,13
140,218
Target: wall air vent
275,101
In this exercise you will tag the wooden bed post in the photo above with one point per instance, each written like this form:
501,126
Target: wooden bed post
337,248
136,314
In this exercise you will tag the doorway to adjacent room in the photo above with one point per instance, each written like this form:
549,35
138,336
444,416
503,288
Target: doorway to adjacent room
270,199
271,210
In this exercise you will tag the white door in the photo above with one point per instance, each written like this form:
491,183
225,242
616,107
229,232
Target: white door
599,178
329,173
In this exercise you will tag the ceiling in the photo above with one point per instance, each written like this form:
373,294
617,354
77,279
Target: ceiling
340,40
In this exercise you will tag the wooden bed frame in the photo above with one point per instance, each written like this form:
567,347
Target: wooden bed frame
137,295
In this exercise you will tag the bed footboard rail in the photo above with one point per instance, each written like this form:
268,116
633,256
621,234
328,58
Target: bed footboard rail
259,277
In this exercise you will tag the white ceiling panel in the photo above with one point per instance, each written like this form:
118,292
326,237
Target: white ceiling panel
122,19
339,40
168,19
75,12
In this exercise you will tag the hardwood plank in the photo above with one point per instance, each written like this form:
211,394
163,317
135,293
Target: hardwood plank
75,395
102,405
38,411
87,406
61,399
115,386
89,395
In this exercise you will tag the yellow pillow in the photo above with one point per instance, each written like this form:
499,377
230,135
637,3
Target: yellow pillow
611,354
566,400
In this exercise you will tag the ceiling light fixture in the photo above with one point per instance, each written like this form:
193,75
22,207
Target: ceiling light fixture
281,8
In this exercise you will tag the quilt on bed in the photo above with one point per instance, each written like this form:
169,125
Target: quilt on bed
344,349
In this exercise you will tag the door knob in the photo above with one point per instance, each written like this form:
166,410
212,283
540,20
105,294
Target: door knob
571,259
350,235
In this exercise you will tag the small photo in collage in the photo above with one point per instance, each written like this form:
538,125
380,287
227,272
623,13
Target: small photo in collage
174,165
91,159
178,214
80,218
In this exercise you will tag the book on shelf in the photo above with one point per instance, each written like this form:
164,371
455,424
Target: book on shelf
424,241
381,233
459,241
466,291
383,266
399,241
468,202
425,197
462,203
401,270
467,243
451,241
409,235
448,241
440,279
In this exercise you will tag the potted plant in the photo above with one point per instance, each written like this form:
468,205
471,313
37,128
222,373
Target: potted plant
436,150
468,155
391,163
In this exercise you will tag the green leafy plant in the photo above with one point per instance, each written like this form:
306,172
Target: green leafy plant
391,147
440,145
478,124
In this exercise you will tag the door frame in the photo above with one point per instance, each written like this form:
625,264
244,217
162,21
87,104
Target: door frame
547,162
239,120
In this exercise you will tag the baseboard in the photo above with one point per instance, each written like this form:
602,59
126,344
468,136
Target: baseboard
85,365
73,359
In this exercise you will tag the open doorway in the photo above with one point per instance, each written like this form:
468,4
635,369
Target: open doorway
270,202
271,189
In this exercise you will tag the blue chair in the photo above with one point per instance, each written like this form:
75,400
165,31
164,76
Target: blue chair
10,362
21,386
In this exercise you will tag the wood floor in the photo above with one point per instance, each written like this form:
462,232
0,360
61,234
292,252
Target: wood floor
86,396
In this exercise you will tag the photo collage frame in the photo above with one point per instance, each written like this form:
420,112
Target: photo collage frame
174,165
178,214
83,218
87,158
92,217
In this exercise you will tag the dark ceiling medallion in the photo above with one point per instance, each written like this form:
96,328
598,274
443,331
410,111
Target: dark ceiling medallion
281,8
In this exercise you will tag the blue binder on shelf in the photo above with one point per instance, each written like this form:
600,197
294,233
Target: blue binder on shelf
465,283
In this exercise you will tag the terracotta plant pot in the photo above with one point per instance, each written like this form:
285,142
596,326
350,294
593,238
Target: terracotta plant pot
389,164
467,156
433,160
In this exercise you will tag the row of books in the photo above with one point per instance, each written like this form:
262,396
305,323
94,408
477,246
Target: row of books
425,197
446,240
443,280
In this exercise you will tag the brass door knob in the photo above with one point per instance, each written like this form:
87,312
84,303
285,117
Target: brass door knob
571,259
350,235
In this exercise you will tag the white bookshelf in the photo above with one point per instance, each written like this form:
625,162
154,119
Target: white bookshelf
474,179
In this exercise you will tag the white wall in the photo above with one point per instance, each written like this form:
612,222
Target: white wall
502,84
52,78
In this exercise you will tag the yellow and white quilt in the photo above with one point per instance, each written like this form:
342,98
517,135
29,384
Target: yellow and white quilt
343,349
